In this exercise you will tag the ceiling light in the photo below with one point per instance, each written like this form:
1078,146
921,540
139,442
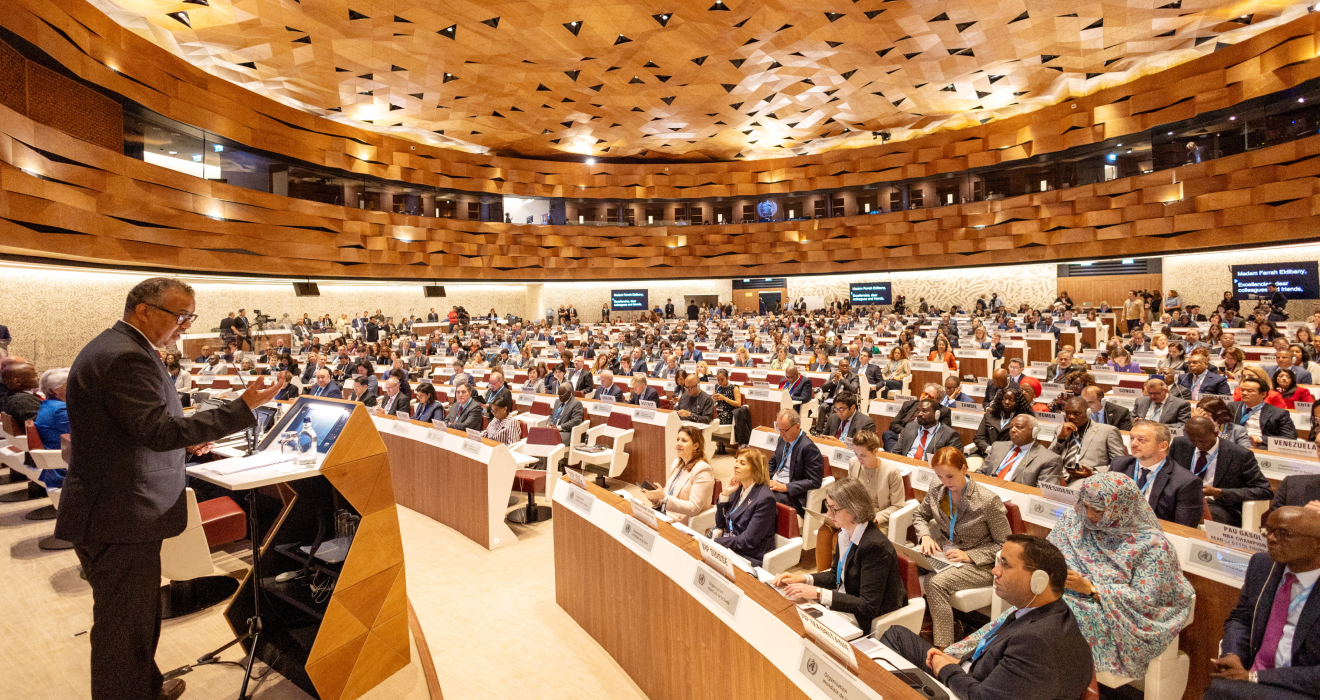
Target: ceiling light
174,153
591,161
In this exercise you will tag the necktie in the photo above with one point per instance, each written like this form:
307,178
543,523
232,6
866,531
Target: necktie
1098,416
921,448
1142,478
1010,462
843,427
554,420
1269,644
1201,464
1155,414
1072,454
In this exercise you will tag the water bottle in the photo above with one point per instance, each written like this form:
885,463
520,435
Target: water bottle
307,443
288,443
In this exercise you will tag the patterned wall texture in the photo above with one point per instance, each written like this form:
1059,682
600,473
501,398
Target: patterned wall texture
1203,279
1016,284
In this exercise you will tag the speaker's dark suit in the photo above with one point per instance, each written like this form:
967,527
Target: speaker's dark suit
124,494
1177,494
1244,632
1236,474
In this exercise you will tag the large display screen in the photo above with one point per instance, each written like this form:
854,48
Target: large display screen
1297,280
328,420
628,300
870,293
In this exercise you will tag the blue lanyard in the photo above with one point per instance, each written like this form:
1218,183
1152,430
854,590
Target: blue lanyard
953,515
1246,417
985,641
1299,599
843,556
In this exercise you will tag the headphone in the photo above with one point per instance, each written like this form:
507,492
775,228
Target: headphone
1035,434
1039,582
1252,636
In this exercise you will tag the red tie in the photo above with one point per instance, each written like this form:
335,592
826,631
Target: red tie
921,449
1269,644
841,426
1008,463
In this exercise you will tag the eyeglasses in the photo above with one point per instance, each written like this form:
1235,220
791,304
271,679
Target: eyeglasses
832,509
1283,535
180,317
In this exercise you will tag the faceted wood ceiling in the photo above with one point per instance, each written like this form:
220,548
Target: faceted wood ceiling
683,79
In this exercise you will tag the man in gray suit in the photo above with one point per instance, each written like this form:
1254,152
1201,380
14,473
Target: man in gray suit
125,489
566,414
845,420
925,435
1087,446
1021,459
1157,405
465,411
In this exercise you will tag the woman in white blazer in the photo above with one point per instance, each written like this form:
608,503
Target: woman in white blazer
689,481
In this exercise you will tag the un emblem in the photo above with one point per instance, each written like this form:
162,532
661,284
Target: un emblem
811,666
627,528
766,209
701,578
1205,556
1038,508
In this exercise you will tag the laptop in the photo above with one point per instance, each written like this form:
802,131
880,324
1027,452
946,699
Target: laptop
934,563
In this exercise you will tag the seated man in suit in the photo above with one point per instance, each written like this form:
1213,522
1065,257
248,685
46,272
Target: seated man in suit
465,411
324,386
692,354
845,420
607,387
997,382
641,391
797,386
694,404
362,391
1283,359
1200,380
1262,420
1159,406
1106,412
566,414
797,466
1021,459
925,435
908,413
1087,446
579,378
1271,643
953,392
842,380
1035,651
495,387
1298,490
394,399
1229,473
1173,493
874,375
1062,366
668,368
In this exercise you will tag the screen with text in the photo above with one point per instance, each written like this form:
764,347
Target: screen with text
869,293
1297,280
628,300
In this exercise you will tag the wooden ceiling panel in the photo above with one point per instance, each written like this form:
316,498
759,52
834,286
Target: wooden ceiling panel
676,79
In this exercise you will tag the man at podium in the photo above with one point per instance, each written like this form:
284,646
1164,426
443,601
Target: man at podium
124,493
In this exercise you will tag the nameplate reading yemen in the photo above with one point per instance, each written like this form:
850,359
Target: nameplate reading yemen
833,681
717,588
580,499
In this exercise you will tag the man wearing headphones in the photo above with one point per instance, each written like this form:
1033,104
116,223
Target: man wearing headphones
1021,459
1035,651
1272,638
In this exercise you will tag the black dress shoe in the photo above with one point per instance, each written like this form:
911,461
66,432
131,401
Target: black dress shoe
172,689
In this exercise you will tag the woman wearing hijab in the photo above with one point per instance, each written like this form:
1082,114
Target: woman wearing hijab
1125,585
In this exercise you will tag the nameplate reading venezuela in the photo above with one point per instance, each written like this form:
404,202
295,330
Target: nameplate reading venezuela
1292,448
717,589
638,533
580,499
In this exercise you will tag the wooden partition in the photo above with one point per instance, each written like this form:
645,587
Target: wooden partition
1111,288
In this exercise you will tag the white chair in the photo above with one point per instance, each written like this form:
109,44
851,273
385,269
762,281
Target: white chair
1166,676
619,428
910,615
185,560
814,516
1253,512
43,459
575,438
705,520
788,542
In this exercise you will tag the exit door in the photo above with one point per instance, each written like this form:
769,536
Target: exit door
770,300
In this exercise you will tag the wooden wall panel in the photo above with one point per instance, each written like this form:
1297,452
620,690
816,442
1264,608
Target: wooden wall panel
13,79
1111,288
75,109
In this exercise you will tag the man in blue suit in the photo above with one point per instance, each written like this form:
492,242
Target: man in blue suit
1199,380
692,354
796,466
797,386
324,386
1271,640
1172,491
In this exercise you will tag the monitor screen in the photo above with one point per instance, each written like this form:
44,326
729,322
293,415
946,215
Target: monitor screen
1297,280
628,300
869,293
328,419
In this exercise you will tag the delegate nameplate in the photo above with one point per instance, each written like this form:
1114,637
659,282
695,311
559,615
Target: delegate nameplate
580,499
1235,537
717,588
638,534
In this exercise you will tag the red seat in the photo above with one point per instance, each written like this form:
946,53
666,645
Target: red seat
543,436
522,429
540,408
622,421
579,395
1015,519
788,522
529,481
911,576
222,521
738,377
666,403
715,494
33,438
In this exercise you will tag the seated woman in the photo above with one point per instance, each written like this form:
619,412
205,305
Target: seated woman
1125,585
726,395
746,515
781,359
689,481
862,581
966,523
1120,360
536,378
502,426
942,353
1285,382
743,359
895,371
1009,404
883,482
427,406
702,371
1175,358
52,419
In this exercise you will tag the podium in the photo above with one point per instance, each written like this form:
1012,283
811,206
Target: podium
341,645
